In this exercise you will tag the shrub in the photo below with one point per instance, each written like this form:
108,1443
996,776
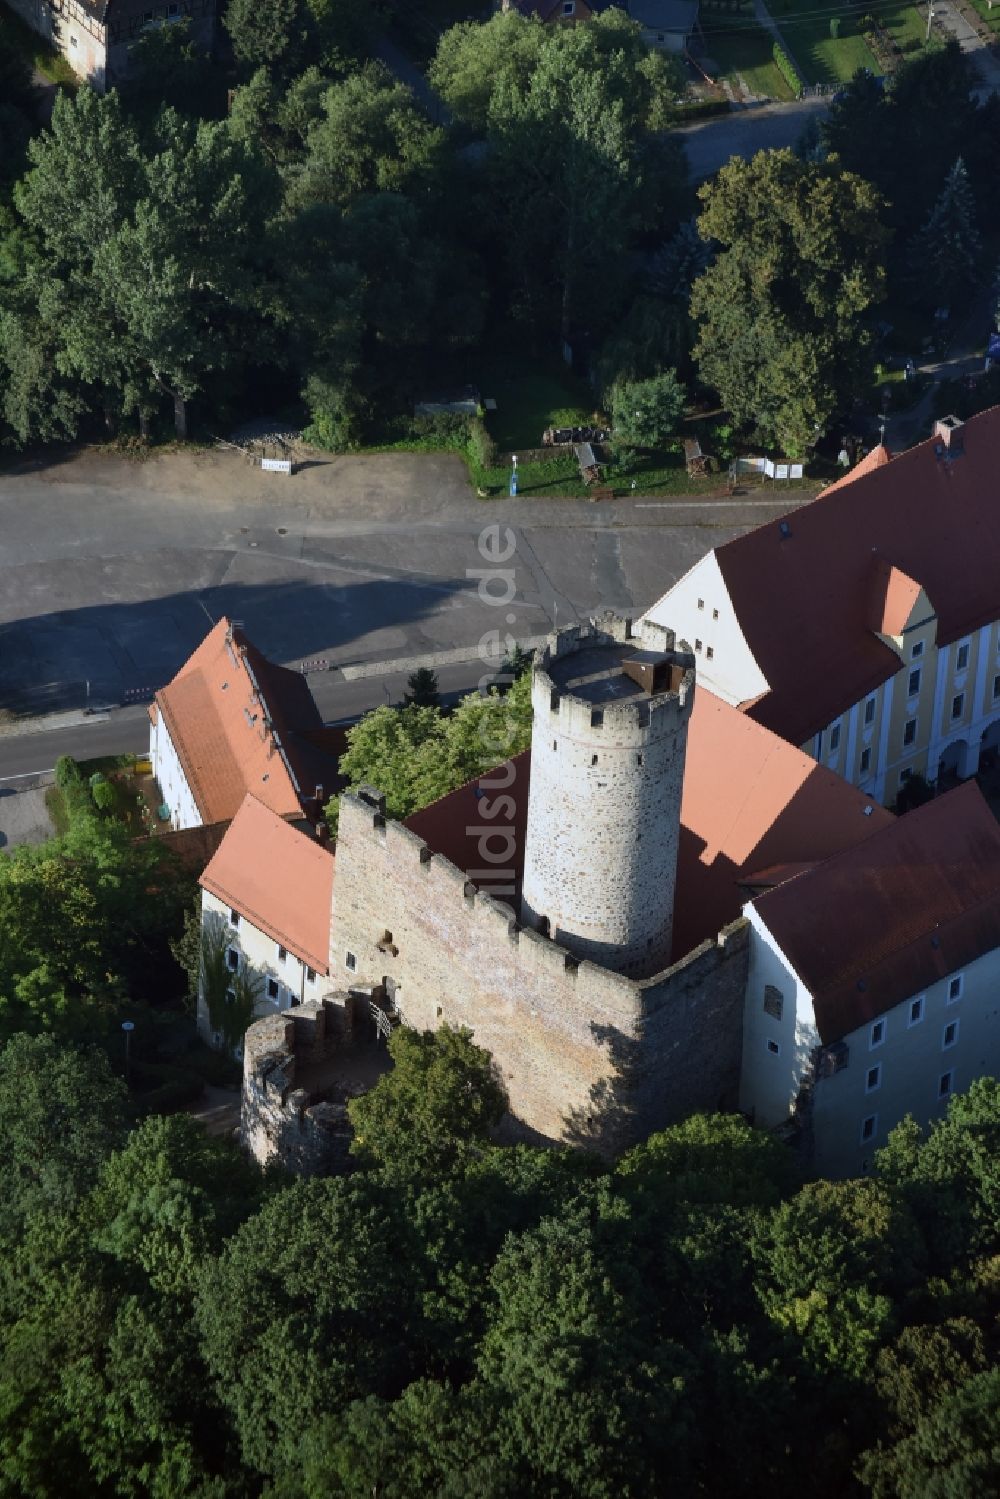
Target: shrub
481,447
783,63
67,772
103,794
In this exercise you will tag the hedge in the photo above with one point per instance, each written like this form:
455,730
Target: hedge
700,110
783,63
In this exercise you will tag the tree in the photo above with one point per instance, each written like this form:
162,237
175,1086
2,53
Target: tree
317,1291
370,138
423,689
441,1100
166,68
147,259
782,312
945,257
61,1115
954,1450
268,33
646,413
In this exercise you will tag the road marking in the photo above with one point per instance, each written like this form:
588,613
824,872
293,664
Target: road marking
738,503
27,774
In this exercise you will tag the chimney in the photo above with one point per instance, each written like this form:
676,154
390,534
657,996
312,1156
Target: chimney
319,794
322,833
948,435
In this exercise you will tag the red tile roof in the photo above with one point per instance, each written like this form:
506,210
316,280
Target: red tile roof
876,924
281,880
803,599
239,723
750,802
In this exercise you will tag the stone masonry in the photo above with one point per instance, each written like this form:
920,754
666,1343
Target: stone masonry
282,1121
587,1055
611,707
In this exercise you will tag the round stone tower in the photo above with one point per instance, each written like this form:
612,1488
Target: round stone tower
611,706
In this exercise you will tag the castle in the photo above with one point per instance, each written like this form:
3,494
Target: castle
663,907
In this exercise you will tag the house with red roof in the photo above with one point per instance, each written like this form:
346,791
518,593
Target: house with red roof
232,723
865,626
267,895
873,982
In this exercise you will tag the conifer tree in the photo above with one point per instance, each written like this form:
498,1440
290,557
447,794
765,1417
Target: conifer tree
944,256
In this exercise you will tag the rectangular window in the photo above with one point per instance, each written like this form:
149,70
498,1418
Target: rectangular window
282,953
958,705
955,989
834,738
996,686
311,975
701,603
350,962
950,1035
873,1079
710,652
877,1035
913,686
963,658
773,1048
234,918
870,711
916,650
774,1001
909,731
868,1128
715,613
272,988
866,760
697,645
916,1011
944,1084
232,959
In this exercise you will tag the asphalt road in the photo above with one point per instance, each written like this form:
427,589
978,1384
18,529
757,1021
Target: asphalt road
357,570
711,143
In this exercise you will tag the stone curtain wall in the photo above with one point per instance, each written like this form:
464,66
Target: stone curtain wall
586,1055
278,1121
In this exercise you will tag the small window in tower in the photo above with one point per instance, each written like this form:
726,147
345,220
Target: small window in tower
710,652
715,613
555,744
701,603
596,718
350,962
774,1001
593,759
697,645
638,759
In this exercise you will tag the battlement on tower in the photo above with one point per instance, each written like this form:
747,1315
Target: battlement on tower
608,678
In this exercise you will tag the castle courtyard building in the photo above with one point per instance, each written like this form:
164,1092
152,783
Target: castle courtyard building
230,723
874,983
94,36
865,626
266,899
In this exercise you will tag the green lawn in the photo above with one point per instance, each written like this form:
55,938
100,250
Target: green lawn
991,17
831,60
747,49
15,36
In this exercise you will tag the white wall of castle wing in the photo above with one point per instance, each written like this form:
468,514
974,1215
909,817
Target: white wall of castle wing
698,608
170,777
777,1052
903,1072
286,981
